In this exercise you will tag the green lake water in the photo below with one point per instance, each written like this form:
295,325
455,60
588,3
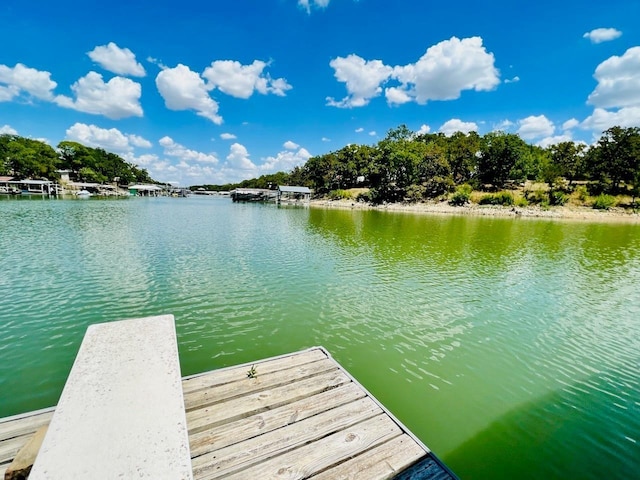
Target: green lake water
511,347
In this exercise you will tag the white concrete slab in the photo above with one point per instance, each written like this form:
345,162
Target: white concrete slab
121,413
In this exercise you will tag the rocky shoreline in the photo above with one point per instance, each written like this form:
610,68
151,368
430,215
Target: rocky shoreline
443,208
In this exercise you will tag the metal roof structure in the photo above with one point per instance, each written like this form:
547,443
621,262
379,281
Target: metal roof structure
145,187
294,189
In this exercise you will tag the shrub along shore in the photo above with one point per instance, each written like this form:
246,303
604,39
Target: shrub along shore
505,203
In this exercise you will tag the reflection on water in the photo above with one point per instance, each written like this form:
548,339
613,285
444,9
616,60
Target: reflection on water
496,341
563,434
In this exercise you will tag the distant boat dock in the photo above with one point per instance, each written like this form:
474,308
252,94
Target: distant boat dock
299,415
284,194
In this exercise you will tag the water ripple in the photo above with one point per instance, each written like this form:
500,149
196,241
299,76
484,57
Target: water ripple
520,335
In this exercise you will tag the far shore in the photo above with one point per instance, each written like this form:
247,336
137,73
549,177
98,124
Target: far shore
615,215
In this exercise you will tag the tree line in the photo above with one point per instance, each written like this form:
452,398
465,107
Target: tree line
406,166
24,158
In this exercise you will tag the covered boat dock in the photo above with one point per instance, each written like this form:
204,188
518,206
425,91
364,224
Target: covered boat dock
293,194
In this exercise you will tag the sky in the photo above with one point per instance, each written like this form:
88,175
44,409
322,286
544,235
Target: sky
217,91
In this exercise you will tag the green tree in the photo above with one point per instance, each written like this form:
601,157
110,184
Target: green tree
529,163
88,174
568,159
434,169
28,158
321,172
462,155
397,165
74,156
4,153
499,153
615,158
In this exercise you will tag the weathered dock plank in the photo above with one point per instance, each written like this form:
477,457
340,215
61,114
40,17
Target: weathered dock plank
262,381
21,465
24,424
261,423
382,462
315,457
17,431
206,380
263,400
10,447
222,462
302,416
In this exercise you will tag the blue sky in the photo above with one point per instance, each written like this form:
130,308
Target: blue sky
219,91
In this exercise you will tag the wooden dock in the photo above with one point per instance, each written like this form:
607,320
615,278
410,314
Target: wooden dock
295,416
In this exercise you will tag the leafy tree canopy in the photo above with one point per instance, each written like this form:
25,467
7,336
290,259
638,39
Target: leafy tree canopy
405,166
27,158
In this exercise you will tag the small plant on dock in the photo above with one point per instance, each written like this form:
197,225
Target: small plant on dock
252,373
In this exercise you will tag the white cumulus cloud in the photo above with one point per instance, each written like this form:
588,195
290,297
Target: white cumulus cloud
397,96
359,130
143,160
239,166
227,136
423,130
535,127
600,35
618,81
570,124
8,130
284,161
289,145
456,125
503,125
442,73
115,99
112,139
238,159
120,61
138,141
8,93
184,89
601,119
19,79
240,81
448,68
176,150
189,167
178,171
547,141
363,79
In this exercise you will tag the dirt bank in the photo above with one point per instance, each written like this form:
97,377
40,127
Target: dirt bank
443,208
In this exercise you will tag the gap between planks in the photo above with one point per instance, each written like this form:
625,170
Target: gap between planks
261,401
221,462
230,374
242,385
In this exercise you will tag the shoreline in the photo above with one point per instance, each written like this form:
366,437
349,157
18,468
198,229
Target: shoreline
585,214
